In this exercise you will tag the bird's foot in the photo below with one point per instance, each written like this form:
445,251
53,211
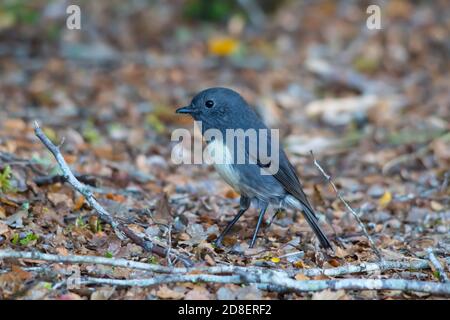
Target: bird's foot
252,243
218,243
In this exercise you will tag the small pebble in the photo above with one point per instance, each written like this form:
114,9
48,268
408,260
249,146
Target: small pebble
394,224
376,191
380,216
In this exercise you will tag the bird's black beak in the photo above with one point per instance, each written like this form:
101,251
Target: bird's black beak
188,109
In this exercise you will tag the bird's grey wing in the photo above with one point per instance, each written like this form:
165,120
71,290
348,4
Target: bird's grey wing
288,178
286,174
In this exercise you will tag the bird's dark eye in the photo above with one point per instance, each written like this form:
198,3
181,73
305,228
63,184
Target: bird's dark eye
209,104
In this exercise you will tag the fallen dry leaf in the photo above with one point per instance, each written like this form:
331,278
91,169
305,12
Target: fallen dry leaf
164,292
329,295
198,293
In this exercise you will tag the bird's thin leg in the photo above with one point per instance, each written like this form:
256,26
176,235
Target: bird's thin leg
260,219
244,205
277,212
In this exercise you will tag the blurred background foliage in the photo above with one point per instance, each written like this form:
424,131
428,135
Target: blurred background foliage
298,60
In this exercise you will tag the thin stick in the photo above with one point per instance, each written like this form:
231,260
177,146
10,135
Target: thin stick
283,283
46,180
265,279
169,236
349,208
193,278
121,230
228,269
437,265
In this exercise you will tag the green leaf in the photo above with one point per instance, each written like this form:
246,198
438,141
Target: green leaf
90,133
15,238
28,238
155,123
25,206
436,274
47,285
5,180
152,260
79,222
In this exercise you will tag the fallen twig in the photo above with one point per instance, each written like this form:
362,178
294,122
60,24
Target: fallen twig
282,283
224,269
444,185
265,279
120,229
165,279
57,178
279,280
12,160
349,208
437,265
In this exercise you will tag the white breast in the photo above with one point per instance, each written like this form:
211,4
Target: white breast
222,162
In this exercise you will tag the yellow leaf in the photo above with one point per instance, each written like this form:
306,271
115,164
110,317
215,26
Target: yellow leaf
299,264
275,260
385,199
222,46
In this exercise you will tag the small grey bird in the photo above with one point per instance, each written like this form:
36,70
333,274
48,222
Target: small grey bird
222,109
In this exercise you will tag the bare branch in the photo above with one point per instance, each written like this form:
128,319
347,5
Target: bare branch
173,278
279,280
265,279
121,230
228,269
46,180
349,208
437,265
282,283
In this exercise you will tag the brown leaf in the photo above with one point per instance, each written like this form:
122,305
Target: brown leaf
301,277
58,197
2,213
334,262
20,274
102,294
3,228
231,194
164,292
340,253
198,293
163,212
116,197
329,295
69,296
209,260
79,201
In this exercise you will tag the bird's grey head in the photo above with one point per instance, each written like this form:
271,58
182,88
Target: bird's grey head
216,108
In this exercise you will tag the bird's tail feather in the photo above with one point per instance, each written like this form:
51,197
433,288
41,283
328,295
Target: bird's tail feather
309,215
312,219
